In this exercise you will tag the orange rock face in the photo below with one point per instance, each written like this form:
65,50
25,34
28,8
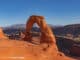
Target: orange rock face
46,33
47,39
23,50
2,35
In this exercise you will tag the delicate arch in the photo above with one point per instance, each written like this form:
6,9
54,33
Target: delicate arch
46,33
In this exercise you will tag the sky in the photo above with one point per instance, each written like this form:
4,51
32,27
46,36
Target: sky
56,12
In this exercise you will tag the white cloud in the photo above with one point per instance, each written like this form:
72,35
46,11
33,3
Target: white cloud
76,17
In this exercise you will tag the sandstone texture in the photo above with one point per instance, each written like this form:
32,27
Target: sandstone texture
26,50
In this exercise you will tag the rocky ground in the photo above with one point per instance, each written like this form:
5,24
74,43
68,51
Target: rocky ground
28,48
22,50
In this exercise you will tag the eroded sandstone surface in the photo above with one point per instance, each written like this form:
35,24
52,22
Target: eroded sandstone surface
25,50
47,40
2,35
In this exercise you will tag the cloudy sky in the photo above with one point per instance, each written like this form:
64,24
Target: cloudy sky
56,12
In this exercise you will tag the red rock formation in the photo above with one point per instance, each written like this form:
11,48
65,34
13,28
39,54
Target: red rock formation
45,30
21,50
48,41
46,33
2,35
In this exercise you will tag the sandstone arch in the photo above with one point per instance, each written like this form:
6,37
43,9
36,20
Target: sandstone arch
46,33
31,51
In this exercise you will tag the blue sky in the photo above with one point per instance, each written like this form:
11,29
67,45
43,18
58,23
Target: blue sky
56,12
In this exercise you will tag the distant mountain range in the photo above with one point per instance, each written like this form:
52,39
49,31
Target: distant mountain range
15,26
73,29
